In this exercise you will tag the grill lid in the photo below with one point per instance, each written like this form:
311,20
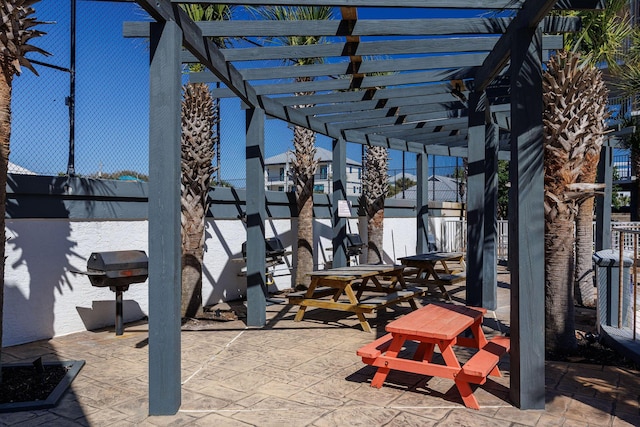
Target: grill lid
273,248
117,264
354,240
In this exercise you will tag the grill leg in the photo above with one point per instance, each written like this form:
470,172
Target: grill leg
119,327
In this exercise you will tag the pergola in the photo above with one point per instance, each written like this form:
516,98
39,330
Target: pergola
466,86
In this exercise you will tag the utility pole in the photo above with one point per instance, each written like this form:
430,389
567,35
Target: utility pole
71,99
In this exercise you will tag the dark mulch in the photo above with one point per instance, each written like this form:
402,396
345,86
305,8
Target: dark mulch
589,349
29,383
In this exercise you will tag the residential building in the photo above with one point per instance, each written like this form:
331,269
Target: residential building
278,173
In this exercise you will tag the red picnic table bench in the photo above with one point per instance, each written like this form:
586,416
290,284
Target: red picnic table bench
441,325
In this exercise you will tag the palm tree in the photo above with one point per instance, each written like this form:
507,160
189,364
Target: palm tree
304,163
200,117
574,112
600,42
375,185
16,31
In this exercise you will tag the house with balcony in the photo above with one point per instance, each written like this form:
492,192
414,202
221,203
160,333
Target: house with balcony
278,173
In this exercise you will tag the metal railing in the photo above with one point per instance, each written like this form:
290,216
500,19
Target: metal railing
452,236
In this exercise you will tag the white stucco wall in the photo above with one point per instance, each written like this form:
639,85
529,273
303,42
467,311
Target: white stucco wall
44,299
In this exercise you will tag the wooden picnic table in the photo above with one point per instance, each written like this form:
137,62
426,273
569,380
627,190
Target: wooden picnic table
435,269
438,325
384,280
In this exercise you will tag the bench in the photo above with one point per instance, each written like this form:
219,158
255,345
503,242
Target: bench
449,279
407,294
322,291
375,349
481,365
486,359
442,281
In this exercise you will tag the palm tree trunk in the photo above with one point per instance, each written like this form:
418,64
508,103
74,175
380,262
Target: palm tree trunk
304,263
199,118
585,292
304,169
559,311
375,186
375,231
5,137
192,258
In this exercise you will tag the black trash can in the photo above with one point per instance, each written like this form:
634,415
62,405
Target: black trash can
607,264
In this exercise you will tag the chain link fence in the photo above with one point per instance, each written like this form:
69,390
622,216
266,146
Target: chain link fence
97,124
106,134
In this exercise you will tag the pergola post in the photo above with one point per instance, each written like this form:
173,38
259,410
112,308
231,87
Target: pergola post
603,203
339,166
526,221
490,246
475,200
164,219
422,203
256,213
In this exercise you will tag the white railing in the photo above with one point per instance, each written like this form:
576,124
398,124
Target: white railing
451,236
503,239
628,238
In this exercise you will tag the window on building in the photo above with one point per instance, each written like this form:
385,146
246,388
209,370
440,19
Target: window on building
318,188
281,188
281,174
359,173
323,172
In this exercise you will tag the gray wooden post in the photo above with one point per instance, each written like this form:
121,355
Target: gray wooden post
256,213
526,222
339,166
422,203
490,247
475,200
164,219
603,203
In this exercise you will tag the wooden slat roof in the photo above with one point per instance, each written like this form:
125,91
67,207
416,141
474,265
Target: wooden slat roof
398,83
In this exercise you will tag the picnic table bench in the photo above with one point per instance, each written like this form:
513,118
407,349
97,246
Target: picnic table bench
346,287
438,325
435,269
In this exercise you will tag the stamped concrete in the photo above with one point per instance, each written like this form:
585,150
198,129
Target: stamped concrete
307,374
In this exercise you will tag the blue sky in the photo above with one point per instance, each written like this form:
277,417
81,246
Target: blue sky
111,131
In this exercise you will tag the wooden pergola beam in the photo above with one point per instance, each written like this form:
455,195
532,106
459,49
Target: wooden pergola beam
439,4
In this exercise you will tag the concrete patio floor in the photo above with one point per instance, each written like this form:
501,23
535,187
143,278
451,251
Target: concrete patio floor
307,374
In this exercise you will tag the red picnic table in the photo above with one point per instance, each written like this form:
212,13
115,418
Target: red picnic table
438,325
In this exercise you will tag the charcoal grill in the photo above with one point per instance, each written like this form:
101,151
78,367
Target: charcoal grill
355,244
274,249
274,255
117,270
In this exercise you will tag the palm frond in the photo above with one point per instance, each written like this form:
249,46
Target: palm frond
296,13
604,34
211,12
